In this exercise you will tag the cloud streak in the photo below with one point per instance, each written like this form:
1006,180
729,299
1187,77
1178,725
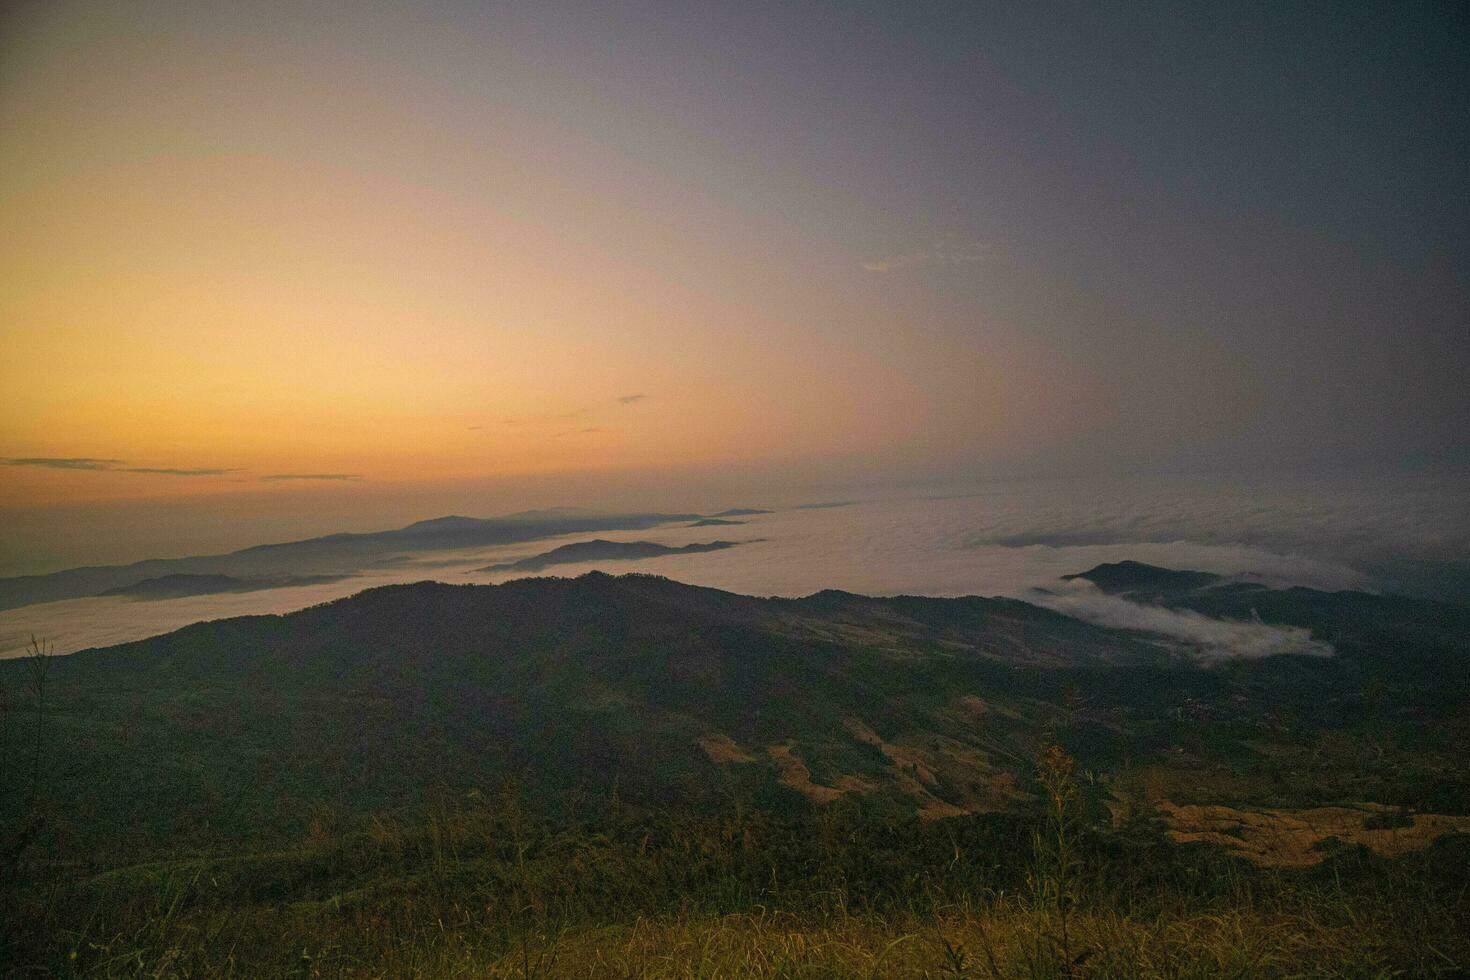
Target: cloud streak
545,419
172,471
64,462
285,477
92,464
551,418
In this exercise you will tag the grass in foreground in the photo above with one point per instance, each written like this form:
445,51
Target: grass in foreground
1286,928
483,888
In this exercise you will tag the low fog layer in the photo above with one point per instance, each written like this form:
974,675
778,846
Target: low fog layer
1206,638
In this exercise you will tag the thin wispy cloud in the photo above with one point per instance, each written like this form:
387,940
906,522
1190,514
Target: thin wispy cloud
937,255
94,464
175,471
1209,639
546,419
284,477
551,418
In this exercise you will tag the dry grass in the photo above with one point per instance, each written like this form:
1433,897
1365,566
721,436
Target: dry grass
436,917
1296,838
913,770
1005,940
795,774
723,748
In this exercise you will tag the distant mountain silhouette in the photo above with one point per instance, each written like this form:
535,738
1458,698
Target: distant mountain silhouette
333,554
1135,577
179,585
599,549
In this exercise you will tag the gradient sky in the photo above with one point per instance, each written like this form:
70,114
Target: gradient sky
252,248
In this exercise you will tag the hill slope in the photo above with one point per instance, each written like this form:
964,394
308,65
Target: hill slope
666,692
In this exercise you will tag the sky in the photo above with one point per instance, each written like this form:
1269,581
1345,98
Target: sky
312,263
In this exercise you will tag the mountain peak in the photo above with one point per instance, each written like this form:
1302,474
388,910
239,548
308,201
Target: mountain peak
1129,576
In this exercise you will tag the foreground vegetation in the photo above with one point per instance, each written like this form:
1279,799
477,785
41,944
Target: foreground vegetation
479,886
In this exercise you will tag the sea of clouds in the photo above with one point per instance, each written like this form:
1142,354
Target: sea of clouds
1009,541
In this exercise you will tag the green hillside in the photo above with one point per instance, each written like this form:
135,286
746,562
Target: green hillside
667,692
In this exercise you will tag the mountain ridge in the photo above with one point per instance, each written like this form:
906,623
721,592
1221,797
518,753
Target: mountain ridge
601,549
